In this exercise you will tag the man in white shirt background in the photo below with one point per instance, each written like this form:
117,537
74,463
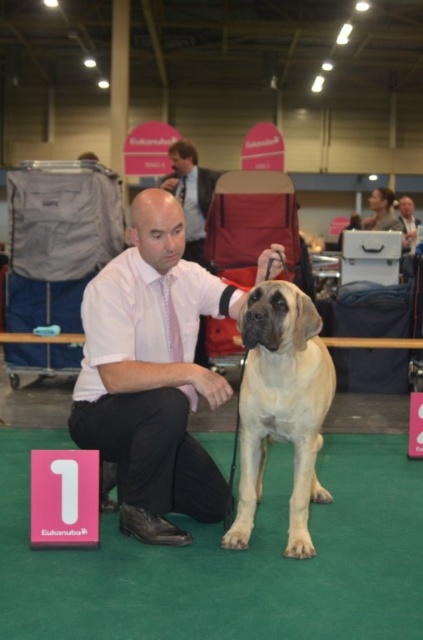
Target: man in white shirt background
409,223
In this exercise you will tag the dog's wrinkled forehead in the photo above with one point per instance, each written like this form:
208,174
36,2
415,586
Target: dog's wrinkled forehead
270,293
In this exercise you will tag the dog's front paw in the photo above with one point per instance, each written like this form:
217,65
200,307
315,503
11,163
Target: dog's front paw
300,549
235,538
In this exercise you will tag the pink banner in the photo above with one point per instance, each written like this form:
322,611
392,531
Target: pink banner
415,441
64,498
263,148
337,225
145,149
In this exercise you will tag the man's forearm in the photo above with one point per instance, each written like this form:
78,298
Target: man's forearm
132,376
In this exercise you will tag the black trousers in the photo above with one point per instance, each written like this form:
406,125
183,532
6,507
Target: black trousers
160,466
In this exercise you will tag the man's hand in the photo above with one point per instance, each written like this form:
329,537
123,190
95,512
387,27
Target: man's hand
212,386
170,184
276,265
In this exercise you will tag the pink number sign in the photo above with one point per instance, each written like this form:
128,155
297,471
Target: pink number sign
415,438
64,498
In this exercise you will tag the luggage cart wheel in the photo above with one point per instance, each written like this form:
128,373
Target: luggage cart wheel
15,381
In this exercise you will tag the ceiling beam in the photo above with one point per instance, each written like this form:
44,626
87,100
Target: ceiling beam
155,41
33,57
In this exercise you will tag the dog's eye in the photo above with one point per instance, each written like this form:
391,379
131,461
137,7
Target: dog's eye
256,295
278,301
281,304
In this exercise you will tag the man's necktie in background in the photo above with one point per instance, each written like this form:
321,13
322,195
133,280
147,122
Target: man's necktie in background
174,339
183,190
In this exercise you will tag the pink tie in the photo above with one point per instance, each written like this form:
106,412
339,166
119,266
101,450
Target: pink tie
176,350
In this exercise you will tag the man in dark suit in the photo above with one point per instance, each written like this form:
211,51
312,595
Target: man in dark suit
409,224
194,187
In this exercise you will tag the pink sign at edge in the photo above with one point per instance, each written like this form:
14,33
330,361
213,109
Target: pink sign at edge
415,442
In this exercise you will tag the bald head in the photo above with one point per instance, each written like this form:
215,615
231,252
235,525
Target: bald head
158,228
153,202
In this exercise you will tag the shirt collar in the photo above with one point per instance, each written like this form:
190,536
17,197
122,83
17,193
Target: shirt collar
193,174
146,271
408,221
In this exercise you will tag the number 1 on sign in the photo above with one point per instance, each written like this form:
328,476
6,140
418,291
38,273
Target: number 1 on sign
68,469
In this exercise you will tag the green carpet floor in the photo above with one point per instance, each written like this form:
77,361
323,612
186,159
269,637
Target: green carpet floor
366,582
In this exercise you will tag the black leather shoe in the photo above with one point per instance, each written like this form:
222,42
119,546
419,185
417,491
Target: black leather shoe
107,505
151,528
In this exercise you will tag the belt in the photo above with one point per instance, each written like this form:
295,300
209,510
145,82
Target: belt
78,404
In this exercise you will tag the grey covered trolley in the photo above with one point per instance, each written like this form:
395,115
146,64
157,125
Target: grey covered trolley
65,223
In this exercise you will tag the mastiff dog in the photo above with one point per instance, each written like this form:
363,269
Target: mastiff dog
287,389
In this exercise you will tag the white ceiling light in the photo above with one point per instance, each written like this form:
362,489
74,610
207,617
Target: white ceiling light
51,3
90,63
362,6
318,84
103,84
327,66
344,33
373,177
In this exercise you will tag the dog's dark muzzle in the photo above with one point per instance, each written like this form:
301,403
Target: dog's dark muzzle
258,327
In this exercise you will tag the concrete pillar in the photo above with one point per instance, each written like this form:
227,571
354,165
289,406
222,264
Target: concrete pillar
119,83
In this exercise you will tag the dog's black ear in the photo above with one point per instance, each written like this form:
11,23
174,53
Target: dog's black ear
308,323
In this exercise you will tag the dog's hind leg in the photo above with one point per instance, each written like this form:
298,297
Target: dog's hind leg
239,534
319,494
259,487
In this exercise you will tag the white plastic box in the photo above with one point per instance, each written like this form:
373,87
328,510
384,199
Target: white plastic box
372,256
